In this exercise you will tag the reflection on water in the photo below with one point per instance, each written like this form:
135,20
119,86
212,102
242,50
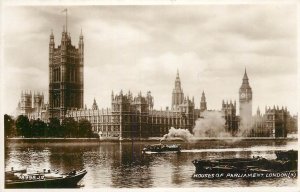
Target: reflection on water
123,164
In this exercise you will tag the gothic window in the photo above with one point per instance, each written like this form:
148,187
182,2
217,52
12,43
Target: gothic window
59,72
54,75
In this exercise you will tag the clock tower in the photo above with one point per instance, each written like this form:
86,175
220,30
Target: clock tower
245,98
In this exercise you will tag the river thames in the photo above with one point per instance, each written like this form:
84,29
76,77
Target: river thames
122,164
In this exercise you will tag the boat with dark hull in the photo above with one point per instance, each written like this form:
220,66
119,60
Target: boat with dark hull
287,155
161,148
256,167
49,179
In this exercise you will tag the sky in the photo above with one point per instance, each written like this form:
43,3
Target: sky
140,48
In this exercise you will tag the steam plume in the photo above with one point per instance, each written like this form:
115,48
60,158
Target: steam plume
182,133
211,125
246,119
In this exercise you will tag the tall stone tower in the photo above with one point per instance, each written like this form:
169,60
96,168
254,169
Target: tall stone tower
177,95
66,64
26,103
150,100
38,101
245,98
203,106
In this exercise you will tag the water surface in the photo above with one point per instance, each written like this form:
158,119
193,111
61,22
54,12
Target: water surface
122,165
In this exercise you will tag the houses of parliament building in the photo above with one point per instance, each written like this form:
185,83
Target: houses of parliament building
134,116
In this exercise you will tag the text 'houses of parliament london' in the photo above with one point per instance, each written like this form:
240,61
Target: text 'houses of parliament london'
134,116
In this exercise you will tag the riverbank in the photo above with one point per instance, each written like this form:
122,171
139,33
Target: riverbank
153,139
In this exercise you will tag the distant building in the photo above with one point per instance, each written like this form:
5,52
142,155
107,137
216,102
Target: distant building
231,120
134,117
292,124
33,106
259,126
25,104
276,121
203,106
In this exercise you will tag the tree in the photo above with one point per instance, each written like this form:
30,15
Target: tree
9,128
23,126
69,127
85,128
38,128
55,129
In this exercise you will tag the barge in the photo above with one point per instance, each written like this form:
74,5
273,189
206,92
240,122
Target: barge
162,148
43,179
285,165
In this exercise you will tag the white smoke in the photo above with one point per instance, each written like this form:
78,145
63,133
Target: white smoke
245,120
212,124
181,133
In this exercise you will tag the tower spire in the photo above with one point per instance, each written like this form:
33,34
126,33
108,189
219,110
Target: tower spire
177,81
245,84
245,75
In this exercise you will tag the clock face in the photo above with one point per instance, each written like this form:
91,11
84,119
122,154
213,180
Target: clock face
243,95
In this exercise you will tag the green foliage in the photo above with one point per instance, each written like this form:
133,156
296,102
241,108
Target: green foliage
9,128
69,127
85,128
23,126
37,128
54,128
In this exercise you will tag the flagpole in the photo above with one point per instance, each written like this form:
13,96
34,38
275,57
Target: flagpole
67,21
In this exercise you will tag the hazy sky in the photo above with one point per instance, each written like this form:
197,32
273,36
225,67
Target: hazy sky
141,47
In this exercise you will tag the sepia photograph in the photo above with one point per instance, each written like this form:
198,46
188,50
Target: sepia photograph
163,95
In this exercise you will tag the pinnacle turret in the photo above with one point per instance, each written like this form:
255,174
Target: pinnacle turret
203,105
177,95
203,98
95,106
51,35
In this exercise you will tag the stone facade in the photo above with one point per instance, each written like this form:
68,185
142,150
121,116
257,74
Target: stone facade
231,119
276,121
134,117
33,106
65,75
273,123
